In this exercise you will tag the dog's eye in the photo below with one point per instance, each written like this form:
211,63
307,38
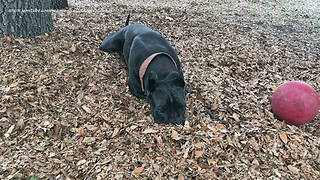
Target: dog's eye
161,110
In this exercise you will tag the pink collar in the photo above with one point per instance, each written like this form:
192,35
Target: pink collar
145,64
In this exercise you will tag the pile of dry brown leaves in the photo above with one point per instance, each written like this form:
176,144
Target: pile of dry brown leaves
66,111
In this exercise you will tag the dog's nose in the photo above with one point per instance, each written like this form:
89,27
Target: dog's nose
179,121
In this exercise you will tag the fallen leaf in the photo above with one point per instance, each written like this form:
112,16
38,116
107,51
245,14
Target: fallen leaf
92,127
270,115
186,152
86,109
62,101
228,170
7,134
81,162
89,139
105,162
118,158
14,84
73,48
159,141
33,104
211,161
57,129
137,170
219,126
263,166
276,171
115,132
180,177
198,153
20,124
3,110
39,148
283,137
174,135
216,168
56,56
235,117
81,132
223,47
255,162
150,130
169,18
56,172
62,145
208,142
106,118
42,77
293,169
211,128
248,158
199,145
218,139
182,162
229,140
80,96
6,97
57,161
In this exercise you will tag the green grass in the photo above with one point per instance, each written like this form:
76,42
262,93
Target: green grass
33,177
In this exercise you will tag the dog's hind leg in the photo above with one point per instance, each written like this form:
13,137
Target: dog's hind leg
113,42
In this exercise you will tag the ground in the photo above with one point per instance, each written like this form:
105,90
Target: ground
66,111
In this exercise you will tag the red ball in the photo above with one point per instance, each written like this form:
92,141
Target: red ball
295,102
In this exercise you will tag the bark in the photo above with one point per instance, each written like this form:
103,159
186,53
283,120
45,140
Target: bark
59,4
22,18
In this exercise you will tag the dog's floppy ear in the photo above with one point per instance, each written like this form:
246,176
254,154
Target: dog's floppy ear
113,42
151,84
176,79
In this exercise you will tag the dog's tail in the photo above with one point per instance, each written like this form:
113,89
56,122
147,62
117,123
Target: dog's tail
127,21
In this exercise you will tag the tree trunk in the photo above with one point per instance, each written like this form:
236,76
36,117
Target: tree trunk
23,18
59,4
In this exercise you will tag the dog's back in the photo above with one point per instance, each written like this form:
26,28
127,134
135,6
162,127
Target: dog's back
136,38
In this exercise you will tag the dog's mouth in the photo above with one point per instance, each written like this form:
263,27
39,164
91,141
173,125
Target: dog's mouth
171,122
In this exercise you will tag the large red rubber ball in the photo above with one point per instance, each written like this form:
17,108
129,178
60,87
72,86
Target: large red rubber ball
295,102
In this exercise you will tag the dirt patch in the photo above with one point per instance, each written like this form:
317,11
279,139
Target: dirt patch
67,113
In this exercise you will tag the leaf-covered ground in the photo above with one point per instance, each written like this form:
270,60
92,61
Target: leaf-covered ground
66,111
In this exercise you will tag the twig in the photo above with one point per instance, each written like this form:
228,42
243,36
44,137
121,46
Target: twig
79,110
25,136
71,92
91,170
105,74
231,165
65,174
32,61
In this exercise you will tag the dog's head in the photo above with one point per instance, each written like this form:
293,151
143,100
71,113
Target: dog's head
166,98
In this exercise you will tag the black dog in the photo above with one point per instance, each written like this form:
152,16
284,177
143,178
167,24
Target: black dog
154,70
